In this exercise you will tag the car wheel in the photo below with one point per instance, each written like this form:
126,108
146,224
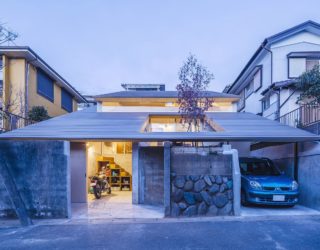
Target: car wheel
244,201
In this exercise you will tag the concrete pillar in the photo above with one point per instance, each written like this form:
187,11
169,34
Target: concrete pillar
166,177
236,176
135,173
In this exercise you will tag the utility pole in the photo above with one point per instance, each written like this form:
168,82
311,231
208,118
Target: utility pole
7,36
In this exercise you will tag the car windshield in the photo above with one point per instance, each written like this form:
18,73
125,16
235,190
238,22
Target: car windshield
261,167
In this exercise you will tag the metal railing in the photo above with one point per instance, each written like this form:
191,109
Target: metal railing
9,121
305,115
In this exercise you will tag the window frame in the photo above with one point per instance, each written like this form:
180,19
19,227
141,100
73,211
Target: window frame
243,98
39,92
307,55
71,98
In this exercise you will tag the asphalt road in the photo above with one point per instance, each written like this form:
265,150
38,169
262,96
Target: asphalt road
291,233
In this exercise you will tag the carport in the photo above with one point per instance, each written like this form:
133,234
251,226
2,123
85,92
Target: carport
243,131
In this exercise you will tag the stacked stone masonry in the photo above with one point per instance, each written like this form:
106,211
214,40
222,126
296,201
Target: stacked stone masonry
201,195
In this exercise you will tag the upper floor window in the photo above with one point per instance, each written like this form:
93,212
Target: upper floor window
241,102
45,85
266,103
255,81
66,101
299,62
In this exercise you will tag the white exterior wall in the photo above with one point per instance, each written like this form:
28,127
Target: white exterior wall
298,43
252,102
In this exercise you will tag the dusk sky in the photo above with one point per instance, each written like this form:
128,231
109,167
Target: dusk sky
97,45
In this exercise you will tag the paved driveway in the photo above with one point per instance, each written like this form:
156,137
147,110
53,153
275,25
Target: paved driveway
292,233
117,205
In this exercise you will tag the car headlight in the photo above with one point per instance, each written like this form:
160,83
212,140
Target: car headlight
294,185
255,185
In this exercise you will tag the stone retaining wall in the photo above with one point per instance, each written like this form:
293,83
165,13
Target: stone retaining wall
206,195
201,182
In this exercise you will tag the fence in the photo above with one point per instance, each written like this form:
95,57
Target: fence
9,121
305,115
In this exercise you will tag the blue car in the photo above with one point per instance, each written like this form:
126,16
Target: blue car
263,183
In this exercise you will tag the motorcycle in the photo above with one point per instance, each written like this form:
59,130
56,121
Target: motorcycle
99,185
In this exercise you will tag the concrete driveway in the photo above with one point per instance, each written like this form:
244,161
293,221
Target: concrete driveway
117,205
277,211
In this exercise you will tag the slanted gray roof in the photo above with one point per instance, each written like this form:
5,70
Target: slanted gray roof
159,94
92,125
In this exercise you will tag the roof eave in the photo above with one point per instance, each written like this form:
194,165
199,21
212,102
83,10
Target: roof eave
38,61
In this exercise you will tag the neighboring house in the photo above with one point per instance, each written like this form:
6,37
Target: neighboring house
90,102
266,88
266,84
26,80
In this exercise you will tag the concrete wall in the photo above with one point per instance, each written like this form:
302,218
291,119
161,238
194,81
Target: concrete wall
308,168
40,170
151,175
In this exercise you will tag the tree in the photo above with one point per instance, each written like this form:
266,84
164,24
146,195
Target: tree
38,114
309,85
193,98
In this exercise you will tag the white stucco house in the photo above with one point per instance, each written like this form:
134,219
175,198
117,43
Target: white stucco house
265,84
266,88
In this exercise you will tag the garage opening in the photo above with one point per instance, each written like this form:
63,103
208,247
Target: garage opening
273,180
101,179
107,166
111,163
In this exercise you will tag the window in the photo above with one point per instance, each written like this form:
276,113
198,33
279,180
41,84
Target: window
255,82
310,63
45,85
298,65
257,79
249,89
124,148
266,103
66,101
241,102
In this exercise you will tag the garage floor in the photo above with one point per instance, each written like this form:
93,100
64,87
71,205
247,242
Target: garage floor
277,211
117,205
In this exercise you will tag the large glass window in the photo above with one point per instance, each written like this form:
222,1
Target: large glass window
66,100
45,85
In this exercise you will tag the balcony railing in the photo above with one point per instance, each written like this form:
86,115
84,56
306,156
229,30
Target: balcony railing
302,117
9,121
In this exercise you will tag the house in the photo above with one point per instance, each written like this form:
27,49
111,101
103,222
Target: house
138,137
266,83
26,80
266,88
